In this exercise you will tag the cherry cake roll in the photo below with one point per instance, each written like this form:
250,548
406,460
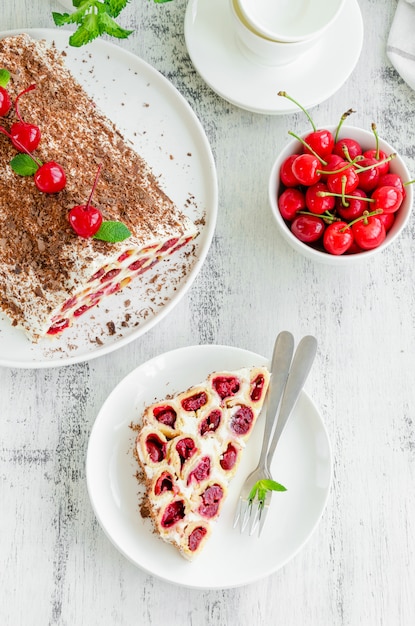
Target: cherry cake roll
151,449
194,538
179,452
166,417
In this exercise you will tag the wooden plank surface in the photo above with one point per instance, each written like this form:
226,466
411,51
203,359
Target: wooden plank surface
56,565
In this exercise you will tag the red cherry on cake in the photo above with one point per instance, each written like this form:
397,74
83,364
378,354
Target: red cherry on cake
5,102
85,219
50,177
23,135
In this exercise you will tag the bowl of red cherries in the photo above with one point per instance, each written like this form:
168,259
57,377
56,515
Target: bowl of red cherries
340,193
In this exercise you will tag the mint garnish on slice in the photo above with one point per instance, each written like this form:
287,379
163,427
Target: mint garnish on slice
112,232
4,77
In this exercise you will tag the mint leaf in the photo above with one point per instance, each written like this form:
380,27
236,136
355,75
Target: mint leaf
114,7
112,232
24,165
161,1
262,486
109,26
86,32
4,77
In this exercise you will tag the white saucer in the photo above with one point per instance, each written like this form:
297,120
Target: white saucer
221,61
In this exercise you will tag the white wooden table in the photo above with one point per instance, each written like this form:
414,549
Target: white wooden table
56,564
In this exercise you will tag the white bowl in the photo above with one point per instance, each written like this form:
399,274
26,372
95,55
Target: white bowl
290,20
367,141
262,49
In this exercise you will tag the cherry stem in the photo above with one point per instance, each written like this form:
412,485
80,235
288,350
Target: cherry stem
16,106
342,119
93,187
16,141
409,182
340,170
305,144
285,95
327,217
370,167
374,129
325,194
363,218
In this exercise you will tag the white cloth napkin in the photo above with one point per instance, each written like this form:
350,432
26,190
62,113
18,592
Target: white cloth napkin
400,47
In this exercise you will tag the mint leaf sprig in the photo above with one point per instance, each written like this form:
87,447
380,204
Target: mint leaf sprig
262,486
95,18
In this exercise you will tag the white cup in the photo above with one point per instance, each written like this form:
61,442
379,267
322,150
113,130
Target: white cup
290,20
264,50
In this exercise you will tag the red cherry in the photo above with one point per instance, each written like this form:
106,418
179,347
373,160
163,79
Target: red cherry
307,228
5,102
85,220
333,162
290,201
355,206
352,147
392,180
321,142
344,181
337,238
316,203
369,232
378,155
387,220
24,136
305,168
368,180
389,199
286,173
50,177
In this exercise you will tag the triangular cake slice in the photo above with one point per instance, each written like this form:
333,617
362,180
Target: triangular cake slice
189,447
49,276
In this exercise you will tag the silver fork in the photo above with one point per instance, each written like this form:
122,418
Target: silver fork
280,366
254,511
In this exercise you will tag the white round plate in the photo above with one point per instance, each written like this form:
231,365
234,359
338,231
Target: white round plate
303,464
162,127
223,64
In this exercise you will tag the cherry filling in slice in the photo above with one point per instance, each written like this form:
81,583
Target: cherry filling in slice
226,386
196,537
211,498
257,387
242,420
165,415
201,471
186,448
168,244
58,326
211,422
173,513
164,483
193,403
228,458
156,448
